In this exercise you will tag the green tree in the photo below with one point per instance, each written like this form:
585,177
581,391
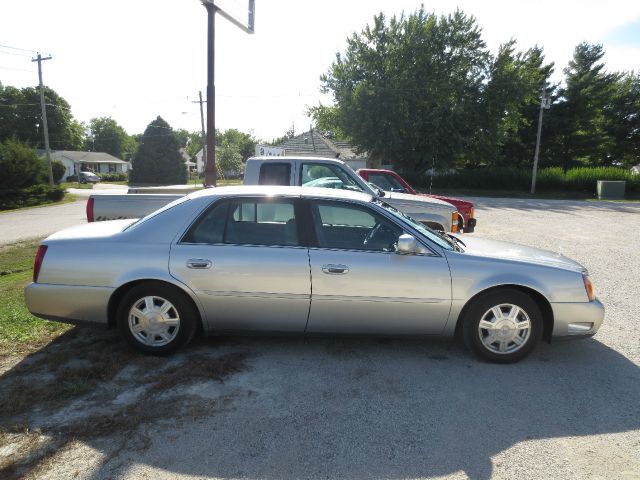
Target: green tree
20,165
581,133
191,142
58,170
106,135
158,160
244,142
21,118
623,120
228,158
408,90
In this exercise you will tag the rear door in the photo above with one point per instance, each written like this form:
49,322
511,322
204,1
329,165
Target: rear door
243,258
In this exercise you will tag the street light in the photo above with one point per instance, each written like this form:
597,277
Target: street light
210,173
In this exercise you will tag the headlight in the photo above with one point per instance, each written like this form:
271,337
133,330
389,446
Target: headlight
454,222
589,288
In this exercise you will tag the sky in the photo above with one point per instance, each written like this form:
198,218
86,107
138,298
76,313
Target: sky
133,60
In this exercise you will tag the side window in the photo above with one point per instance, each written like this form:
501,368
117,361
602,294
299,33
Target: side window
210,227
275,174
326,176
386,182
261,222
353,227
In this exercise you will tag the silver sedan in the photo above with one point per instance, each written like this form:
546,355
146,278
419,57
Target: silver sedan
309,261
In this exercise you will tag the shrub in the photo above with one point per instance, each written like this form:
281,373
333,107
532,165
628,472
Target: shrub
113,176
30,196
58,169
20,165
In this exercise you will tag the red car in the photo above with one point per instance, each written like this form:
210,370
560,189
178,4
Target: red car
392,182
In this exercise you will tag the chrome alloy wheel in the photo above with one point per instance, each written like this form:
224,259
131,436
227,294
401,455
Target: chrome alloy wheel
154,321
504,329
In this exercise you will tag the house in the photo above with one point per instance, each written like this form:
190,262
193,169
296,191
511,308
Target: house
314,144
97,162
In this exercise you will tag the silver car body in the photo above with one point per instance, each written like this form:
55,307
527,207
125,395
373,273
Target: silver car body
87,268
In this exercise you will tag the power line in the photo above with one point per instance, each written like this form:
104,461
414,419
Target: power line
19,49
16,54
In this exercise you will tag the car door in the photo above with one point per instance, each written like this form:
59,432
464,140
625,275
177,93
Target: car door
361,285
243,259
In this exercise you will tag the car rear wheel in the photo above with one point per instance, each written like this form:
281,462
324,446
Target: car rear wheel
156,319
503,326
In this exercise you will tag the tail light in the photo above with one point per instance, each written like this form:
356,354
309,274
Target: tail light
37,263
588,286
90,209
454,222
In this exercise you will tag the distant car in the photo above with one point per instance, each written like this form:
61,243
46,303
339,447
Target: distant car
309,261
390,181
89,177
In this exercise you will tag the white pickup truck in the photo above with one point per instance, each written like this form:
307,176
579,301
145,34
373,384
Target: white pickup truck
293,171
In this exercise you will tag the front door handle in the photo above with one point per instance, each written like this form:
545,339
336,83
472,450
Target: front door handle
335,269
200,263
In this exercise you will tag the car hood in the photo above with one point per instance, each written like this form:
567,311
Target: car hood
458,201
408,199
500,250
91,230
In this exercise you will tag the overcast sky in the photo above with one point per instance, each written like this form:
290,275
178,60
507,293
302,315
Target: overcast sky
136,59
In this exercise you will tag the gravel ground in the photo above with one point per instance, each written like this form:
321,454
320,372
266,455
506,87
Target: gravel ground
405,408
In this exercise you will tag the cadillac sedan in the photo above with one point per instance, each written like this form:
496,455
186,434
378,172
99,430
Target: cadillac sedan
308,261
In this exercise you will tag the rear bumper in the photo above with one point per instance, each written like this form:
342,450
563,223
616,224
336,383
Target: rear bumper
68,303
576,320
470,226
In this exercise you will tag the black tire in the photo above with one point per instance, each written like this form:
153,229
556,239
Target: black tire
156,333
506,347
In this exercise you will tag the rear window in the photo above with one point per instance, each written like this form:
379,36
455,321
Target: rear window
168,206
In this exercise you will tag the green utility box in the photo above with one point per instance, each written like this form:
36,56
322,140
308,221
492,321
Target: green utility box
611,190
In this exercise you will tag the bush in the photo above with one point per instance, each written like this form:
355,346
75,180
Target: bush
579,180
113,177
30,196
20,165
57,167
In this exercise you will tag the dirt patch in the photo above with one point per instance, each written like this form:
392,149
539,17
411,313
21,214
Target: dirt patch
88,385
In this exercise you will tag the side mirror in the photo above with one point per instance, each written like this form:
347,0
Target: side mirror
407,244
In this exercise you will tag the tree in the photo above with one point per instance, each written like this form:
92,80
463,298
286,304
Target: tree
158,160
581,124
229,158
191,142
20,165
408,90
244,142
623,120
21,118
58,169
105,135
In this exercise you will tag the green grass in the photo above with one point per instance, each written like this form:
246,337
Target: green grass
68,198
19,330
66,185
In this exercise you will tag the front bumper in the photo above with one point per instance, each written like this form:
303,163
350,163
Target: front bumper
68,303
576,320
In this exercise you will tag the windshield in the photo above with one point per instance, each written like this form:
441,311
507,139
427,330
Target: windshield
140,221
432,235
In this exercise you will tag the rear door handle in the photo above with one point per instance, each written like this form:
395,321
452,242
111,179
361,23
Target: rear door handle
334,269
200,263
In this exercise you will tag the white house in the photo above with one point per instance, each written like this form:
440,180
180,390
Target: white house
97,162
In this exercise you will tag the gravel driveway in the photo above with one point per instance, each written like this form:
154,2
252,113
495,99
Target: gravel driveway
352,408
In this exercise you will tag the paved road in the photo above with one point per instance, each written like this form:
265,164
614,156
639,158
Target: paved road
349,408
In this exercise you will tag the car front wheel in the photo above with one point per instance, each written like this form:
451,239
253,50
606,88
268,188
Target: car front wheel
156,319
503,326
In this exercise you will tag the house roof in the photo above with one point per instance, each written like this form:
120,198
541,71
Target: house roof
314,144
85,157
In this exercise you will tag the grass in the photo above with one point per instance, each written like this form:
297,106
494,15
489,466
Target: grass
558,195
68,198
66,185
19,330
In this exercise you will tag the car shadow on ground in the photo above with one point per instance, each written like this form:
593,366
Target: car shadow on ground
335,407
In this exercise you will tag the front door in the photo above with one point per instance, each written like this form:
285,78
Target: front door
243,260
361,285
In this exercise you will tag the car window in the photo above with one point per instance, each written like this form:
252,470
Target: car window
386,182
353,227
275,174
261,222
327,176
247,222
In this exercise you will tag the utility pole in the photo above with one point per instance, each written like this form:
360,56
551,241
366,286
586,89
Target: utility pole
45,127
210,172
204,134
545,104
